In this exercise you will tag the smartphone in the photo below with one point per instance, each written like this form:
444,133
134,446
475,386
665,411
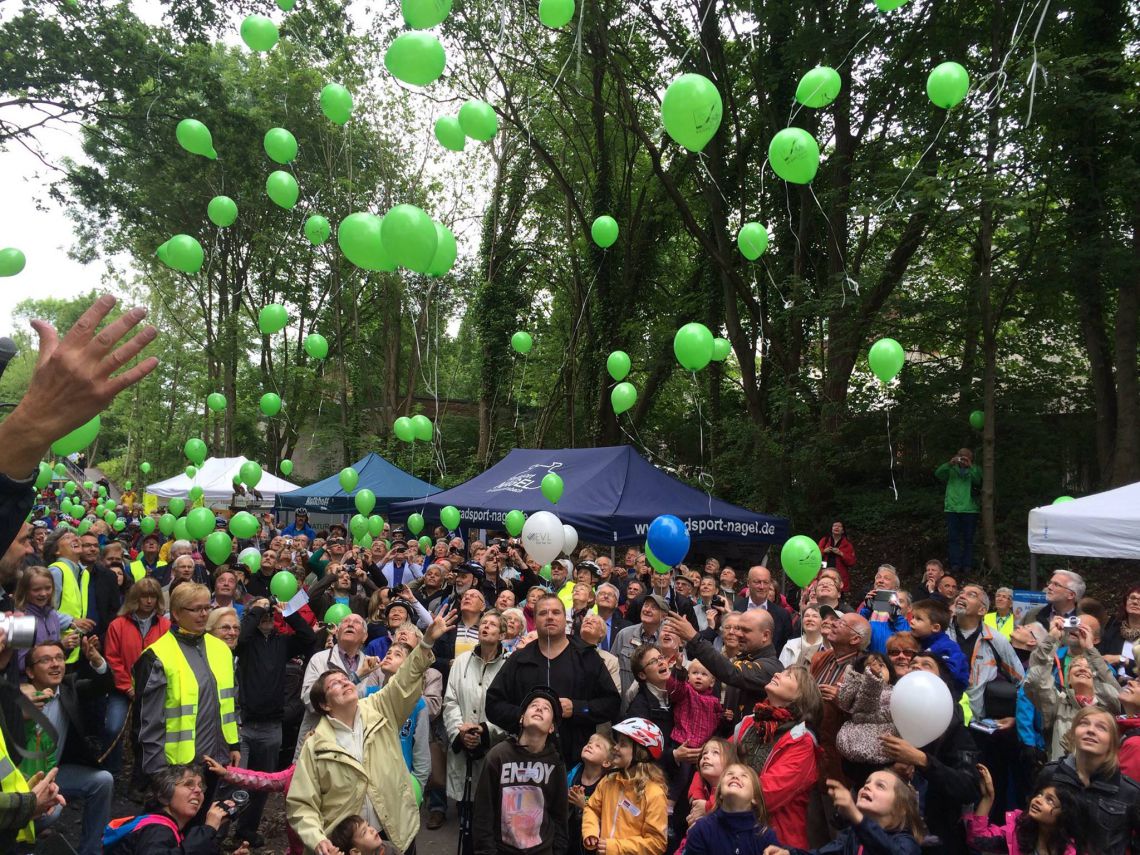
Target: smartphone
884,601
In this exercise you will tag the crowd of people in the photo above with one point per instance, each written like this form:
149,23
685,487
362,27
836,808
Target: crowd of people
590,705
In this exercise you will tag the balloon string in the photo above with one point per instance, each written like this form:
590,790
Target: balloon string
847,280
704,478
883,206
891,451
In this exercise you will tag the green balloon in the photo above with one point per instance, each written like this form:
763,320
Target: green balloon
84,527
416,523
195,450
43,477
286,467
947,85
60,470
555,13
365,501
78,439
191,471
722,347
889,5
316,345
219,547
70,487
415,58
693,346
216,401
449,516
280,145
282,188
977,420
618,364
144,467
166,524
348,478
425,544
272,318
404,429
424,429
286,5
521,342
801,559
1060,500
237,479
794,155
184,253
446,252
691,111
623,396
478,120
244,524
250,473
195,137
259,33
358,525
819,87
252,560
127,484
544,572
752,240
551,487
222,211
886,358
317,229
409,238
604,231
366,541
12,261
283,585
195,491
147,525
514,522
102,491
449,133
88,486
653,561
336,613
424,14
375,525
176,506
270,404
336,103
200,522
359,239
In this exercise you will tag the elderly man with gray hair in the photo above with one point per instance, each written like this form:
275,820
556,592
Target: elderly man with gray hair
1062,593
881,607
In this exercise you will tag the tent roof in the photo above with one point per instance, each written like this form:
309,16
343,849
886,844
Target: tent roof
216,478
1103,525
611,495
390,484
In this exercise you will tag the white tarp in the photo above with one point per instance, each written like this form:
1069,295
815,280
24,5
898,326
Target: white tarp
1103,525
216,478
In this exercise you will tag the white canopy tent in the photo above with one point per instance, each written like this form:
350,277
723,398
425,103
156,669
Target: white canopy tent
1103,525
216,478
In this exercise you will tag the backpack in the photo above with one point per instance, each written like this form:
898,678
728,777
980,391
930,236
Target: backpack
118,830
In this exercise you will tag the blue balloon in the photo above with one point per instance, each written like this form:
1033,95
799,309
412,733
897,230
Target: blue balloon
669,539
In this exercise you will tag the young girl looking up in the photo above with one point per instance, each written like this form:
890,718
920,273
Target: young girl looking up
1051,825
716,756
740,822
583,779
627,813
884,819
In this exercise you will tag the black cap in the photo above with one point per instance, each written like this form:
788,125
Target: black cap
547,694
472,567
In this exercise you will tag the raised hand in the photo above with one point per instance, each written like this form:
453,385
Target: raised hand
445,621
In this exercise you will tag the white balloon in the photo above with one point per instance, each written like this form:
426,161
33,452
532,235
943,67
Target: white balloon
921,708
569,538
542,536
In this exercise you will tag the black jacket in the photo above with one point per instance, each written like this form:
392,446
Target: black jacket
645,705
593,692
952,783
261,661
1113,803
781,621
159,840
16,499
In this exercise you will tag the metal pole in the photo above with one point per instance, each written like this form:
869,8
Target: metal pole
1032,571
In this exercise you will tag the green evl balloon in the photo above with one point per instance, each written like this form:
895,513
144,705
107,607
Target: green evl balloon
947,85
604,231
555,14
196,138
317,229
317,346
259,33
12,261
752,240
794,155
819,87
216,401
415,58
77,439
222,211
691,111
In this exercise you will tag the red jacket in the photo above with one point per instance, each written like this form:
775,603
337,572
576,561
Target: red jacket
125,644
1129,727
787,780
844,561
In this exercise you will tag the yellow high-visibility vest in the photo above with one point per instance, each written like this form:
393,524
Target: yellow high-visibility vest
181,706
73,597
12,780
138,568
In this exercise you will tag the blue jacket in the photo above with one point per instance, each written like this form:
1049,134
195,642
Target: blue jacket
867,838
724,831
948,650
292,530
881,630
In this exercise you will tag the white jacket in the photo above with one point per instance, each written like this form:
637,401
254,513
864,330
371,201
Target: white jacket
465,702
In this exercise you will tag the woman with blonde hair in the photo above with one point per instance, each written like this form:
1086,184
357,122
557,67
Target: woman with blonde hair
224,623
34,595
516,628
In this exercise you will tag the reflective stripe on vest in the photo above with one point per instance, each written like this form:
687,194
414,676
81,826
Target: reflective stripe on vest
12,781
73,597
181,704
138,568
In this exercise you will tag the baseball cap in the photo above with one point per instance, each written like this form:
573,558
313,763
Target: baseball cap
547,694
826,611
658,600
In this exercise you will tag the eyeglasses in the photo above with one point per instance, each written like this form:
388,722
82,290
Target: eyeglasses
1053,584
1134,599
197,610
905,654
335,541
51,660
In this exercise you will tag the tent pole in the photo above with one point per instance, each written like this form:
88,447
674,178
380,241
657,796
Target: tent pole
1032,571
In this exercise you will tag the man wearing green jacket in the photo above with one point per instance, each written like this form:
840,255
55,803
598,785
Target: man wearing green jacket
961,476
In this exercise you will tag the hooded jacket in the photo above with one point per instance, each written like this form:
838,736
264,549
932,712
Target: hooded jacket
630,825
522,801
1129,726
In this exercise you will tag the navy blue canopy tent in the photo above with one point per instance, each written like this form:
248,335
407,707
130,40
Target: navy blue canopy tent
611,495
390,484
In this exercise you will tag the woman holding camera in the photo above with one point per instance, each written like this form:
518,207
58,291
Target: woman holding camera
175,796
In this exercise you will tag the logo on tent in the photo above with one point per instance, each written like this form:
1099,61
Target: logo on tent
529,479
